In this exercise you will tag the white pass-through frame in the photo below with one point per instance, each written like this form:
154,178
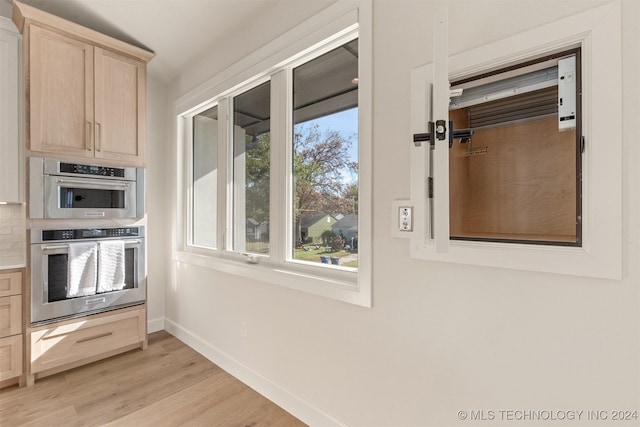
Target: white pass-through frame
598,33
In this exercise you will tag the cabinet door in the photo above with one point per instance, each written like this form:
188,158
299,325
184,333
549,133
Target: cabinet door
120,93
10,357
61,94
10,160
72,341
10,283
10,315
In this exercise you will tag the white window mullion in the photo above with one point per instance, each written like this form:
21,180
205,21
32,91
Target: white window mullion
224,205
440,219
186,130
239,193
429,103
280,168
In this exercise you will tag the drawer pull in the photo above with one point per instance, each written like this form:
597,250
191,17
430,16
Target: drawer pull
106,334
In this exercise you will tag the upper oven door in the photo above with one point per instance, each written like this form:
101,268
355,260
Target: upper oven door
70,197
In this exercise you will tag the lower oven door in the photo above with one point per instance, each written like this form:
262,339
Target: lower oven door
49,280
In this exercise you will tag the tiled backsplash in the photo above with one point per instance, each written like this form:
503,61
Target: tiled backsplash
13,239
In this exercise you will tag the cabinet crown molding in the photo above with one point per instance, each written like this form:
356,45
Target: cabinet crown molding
24,15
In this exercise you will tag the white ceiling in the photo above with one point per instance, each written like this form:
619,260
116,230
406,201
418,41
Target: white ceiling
178,31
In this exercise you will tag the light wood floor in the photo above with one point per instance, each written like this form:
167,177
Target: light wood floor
168,384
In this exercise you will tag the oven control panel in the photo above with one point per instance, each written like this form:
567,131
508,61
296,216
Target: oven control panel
91,170
90,233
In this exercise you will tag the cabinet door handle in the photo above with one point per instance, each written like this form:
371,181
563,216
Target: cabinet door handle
98,136
106,334
88,137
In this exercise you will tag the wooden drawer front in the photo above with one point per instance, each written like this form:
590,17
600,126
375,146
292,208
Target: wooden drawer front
10,315
10,357
67,342
10,283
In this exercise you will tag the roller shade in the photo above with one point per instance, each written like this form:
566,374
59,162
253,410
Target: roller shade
517,108
513,99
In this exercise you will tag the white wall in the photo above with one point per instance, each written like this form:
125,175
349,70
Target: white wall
440,338
6,8
158,193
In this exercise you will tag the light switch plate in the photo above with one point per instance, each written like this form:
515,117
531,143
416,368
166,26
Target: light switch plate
402,217
405,222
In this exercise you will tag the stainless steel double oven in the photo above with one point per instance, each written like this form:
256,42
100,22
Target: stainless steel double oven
52,264
99,262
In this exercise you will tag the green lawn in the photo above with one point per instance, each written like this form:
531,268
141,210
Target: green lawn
314,255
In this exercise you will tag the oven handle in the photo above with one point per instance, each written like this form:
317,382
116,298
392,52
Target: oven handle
53,248
58,247
108,185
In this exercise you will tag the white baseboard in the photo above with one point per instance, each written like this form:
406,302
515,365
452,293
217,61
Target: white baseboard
299,408
155,325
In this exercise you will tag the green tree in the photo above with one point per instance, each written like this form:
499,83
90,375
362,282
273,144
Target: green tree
257,177
319,162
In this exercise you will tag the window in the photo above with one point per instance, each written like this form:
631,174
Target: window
251,148
205,178
325,158
277,161
542,209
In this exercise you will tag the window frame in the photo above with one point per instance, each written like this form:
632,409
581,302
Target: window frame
596,32
345,20
229,123
189,171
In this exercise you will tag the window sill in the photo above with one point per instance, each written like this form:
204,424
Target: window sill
575,261
337,285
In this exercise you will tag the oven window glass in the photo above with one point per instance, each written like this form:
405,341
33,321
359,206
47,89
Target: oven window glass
91,198
57,277
57,274
129,268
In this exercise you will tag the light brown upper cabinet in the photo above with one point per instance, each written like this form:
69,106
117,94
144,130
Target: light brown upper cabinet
86,92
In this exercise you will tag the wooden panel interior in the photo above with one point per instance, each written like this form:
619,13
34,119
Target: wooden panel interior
516,181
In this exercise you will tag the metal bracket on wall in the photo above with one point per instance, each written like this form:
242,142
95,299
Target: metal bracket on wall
438,129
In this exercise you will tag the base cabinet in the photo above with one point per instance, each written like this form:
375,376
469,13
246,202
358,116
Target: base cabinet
11,336
71,343
10,357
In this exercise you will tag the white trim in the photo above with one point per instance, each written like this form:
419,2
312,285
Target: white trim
155,325
597,31
316,280
365,153
293,404
281,104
